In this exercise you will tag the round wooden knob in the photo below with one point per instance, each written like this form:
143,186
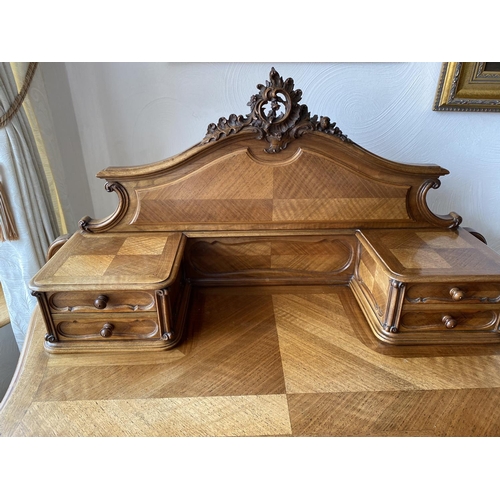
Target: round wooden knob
456,293
107,330
101,302
449,322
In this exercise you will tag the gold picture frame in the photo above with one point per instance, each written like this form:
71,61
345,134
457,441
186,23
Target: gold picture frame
468,86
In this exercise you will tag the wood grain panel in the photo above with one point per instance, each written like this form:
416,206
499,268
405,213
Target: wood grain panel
204,211
469,412
315,331
321,258
233,350
339,209
235,176
316,176
140,260
416,255
374,283
260,361
188,417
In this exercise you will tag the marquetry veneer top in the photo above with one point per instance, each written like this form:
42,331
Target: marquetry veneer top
112,261
446,255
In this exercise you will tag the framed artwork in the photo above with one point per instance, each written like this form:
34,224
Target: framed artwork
468,86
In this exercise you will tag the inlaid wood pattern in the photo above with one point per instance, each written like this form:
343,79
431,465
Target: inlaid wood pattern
238,188
292,258
233,350
465,412
111,259
221,416
420,254
261,361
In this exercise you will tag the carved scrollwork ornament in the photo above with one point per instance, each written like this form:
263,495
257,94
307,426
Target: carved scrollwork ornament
276,116
450,221
89,225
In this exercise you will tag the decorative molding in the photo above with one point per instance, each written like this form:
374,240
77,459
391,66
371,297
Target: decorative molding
90,225
466,86
276,116
481,73
450,221
220,252
435,298
394,306
41,297
56,245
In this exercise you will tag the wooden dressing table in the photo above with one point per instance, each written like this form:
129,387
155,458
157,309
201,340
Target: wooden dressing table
276,202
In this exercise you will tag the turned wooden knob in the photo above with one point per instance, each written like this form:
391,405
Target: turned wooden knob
456,293
101,302
107,330
449,321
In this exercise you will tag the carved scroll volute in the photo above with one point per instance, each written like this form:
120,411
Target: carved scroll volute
99,225
450,221
276,116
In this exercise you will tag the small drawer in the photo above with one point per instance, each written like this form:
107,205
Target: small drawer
112,328
483,293
105,302
449,320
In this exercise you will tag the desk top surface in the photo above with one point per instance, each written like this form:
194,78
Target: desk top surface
260,361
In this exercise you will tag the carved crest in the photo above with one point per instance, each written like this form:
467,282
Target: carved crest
276,116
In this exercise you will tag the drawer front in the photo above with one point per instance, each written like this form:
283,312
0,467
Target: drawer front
450,320
104,302
483,293
73,327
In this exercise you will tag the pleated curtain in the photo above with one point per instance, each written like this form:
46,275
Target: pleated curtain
27,193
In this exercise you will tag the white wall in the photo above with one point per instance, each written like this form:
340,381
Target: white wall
137,113
54,110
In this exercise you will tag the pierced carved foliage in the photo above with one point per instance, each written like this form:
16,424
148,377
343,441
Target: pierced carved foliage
276,116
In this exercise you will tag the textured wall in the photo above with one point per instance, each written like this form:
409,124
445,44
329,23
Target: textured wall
136,113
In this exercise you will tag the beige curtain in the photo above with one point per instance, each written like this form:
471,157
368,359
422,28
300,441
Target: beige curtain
34,203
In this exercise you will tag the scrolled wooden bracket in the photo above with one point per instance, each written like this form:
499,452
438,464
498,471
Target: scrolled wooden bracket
90,225
276,116
56,245
450,221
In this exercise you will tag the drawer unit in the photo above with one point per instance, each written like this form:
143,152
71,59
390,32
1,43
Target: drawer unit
114,292
423,287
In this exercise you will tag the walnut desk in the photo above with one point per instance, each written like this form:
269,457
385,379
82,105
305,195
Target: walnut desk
266,203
